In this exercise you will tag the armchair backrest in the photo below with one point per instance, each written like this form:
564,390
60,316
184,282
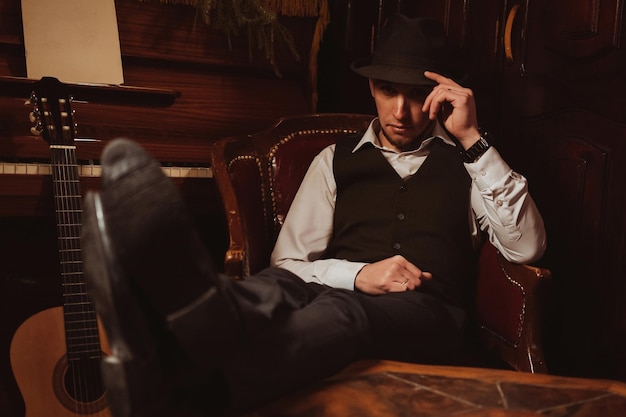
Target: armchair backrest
258,176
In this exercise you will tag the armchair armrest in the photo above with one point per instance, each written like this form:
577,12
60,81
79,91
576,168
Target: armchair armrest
238,174
509,303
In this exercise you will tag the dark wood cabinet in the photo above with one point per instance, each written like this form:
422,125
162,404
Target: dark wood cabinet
563,115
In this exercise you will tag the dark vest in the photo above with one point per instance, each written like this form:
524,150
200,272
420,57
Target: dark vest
423,218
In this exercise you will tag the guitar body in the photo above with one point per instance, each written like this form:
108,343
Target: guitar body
41,370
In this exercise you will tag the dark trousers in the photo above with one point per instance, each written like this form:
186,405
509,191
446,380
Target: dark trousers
296,333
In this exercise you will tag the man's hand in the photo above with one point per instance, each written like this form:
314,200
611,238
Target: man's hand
394,274
456,107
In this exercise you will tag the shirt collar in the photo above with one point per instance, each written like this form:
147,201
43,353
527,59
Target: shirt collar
371,137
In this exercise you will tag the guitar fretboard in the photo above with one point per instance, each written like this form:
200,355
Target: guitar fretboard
81,326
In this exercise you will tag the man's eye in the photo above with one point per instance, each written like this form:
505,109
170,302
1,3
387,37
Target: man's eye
387,89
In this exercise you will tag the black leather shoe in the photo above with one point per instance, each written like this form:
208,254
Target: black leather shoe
153,286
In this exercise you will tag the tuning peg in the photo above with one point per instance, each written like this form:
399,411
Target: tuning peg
37,129
34,115
31,100
74,123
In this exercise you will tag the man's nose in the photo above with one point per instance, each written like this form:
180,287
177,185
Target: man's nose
400,106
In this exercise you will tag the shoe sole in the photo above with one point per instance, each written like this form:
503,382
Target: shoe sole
157,245
132,374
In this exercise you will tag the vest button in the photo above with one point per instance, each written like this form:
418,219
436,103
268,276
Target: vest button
396,246
400,216
403,187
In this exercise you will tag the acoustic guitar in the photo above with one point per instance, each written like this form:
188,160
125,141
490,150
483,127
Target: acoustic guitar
55,354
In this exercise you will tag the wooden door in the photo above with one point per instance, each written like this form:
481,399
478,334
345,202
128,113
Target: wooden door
563,121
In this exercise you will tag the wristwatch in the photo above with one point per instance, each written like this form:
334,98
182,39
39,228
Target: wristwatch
477,149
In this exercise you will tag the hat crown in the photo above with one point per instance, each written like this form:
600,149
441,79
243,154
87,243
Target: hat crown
405,49
405,40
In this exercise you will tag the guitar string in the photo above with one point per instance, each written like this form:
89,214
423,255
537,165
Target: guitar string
69,218
93,341
60,195
94,377
62,198
85,372
67,213
88,381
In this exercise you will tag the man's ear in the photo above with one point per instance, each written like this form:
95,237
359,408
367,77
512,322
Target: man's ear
371,86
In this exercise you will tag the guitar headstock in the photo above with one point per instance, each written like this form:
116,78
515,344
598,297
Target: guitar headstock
52,113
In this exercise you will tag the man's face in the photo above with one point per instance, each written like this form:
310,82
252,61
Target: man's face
399,108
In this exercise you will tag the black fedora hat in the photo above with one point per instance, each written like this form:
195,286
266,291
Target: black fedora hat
405,49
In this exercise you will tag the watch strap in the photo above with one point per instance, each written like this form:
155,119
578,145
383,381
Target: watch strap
476,150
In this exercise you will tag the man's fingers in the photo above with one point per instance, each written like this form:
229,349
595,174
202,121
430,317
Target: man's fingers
401,286
437,99
438,78
413,276
414,271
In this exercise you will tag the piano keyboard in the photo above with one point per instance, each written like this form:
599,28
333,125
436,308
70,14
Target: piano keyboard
23,168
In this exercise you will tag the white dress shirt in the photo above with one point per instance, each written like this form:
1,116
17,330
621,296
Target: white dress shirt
500,206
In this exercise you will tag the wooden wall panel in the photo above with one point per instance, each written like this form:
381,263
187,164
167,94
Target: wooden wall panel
576,162
563,113
582,30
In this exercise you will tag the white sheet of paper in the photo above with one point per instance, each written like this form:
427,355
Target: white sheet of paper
76,41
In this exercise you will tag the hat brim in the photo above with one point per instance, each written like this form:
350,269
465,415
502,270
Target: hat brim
413,75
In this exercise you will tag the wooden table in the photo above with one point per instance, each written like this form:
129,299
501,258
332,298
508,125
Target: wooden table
393,389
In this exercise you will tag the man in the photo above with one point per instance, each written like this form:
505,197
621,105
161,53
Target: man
375,258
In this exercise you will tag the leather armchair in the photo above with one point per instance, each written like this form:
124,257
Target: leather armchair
258,176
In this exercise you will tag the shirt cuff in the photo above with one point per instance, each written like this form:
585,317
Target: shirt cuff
342,274
488,170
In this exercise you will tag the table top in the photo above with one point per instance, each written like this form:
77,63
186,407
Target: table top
394,389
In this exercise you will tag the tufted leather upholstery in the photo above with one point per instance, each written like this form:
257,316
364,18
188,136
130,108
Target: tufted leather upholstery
258,176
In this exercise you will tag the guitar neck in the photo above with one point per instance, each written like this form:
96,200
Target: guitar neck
81,326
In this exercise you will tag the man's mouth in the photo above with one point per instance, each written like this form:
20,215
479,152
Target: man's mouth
399,128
